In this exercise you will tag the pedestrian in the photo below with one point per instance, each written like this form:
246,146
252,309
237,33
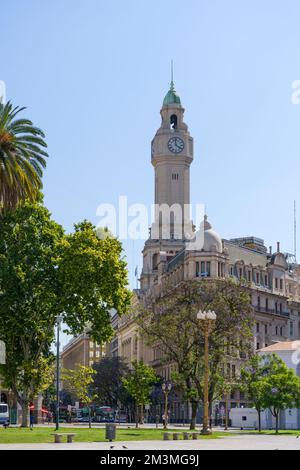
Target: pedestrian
31,419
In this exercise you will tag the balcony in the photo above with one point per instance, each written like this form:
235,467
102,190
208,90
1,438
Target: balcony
282,313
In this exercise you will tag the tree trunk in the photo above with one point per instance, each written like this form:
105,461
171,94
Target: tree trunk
259,419
277,422
24,414
90,419
137,415
210,414
194,415
141,414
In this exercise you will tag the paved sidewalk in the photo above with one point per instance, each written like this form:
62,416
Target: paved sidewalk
246,442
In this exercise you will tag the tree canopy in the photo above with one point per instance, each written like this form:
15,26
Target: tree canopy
169,323
22,157
139,383
45,273
108,381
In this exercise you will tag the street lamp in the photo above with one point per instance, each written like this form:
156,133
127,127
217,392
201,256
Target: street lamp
59,319
166,388
207,322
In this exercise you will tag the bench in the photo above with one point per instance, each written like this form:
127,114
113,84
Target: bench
58,437
187,435
176,436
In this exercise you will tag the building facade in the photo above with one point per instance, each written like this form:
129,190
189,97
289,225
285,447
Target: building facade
172,255
81,350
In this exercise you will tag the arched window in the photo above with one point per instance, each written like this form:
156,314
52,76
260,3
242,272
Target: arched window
173,121
155,261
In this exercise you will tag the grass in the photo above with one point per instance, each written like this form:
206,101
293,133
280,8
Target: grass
271,432
43,435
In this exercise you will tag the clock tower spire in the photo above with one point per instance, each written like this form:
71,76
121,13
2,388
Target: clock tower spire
171,156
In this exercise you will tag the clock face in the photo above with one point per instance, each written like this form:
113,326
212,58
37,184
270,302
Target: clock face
176,145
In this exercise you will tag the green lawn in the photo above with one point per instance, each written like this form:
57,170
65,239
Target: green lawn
273,433
43,435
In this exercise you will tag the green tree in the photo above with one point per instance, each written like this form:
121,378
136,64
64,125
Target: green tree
139,383
44,273
107,383
253,378
93,281
29,253
78,382
170,324
282,387
22,157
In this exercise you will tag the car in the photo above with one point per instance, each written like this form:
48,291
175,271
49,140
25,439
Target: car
4,414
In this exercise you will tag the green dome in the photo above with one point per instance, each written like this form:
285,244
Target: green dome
171,97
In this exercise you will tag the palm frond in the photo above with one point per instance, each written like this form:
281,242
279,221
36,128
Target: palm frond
22,158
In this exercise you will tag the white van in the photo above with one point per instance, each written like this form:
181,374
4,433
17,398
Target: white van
4,413
247,418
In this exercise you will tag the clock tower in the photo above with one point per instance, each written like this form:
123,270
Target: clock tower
171,156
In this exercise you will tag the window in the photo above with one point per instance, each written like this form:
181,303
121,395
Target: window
98,354
197,269
258,302
91,353
208,268
91,344
266,280
267,305
249,276
276,307
291,329
281,284
175,176
241,272
280,308
257,327
257,278
281,331
233,369
257,346
203,267
173,121
155,261
276,283
266,329
276,330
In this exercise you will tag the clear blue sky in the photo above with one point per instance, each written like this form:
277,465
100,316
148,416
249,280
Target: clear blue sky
93,74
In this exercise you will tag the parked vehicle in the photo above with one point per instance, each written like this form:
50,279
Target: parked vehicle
4,414
121,417
104,414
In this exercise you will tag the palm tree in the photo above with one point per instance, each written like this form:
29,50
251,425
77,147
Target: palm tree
22,158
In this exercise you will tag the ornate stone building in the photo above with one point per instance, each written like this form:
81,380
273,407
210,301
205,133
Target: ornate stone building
274,278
